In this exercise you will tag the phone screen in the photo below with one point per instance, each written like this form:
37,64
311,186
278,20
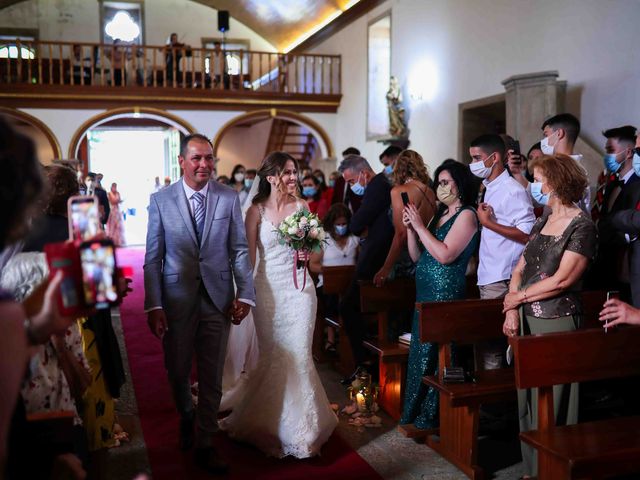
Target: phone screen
84,217
98,273
405,198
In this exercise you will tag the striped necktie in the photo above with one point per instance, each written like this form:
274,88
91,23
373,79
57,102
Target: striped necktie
198,213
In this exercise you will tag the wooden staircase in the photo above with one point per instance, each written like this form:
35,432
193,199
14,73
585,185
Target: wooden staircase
294,139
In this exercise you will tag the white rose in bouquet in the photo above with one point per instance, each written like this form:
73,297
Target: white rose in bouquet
313,222
292,230
313,233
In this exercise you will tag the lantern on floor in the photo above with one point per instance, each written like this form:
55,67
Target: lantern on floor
362,392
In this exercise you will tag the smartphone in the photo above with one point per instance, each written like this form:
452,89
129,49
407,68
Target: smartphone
515,146
99,269
84,217
63,256
611,294
405,198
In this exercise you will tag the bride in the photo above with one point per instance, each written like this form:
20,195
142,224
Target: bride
284,409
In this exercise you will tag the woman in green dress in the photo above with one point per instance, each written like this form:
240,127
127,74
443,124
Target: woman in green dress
545,286
442,251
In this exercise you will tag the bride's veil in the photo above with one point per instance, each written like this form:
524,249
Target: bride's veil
253,191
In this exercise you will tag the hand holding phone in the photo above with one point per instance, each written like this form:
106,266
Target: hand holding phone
610,294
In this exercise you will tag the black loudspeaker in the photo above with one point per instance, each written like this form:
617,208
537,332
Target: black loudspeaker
223,20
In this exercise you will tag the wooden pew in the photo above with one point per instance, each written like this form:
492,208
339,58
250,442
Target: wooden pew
586,450
399,294
468,322
336,281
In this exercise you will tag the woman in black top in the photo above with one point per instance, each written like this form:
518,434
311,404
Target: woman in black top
545,286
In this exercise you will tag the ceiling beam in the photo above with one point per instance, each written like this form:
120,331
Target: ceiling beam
346,18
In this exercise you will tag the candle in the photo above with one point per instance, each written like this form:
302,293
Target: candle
360,402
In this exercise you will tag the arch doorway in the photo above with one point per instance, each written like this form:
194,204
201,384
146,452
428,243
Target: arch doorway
46,143
247,139
137,149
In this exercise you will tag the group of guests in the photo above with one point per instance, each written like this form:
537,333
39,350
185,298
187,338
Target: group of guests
52,363
314,188
529,222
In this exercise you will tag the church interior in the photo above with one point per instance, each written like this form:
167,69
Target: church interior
110,89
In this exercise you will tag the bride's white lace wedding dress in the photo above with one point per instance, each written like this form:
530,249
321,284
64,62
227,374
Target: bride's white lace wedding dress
284,409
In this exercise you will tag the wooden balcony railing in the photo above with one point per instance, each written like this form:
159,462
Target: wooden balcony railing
89,65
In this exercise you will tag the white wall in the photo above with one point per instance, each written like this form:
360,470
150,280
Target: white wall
242,145
475,44
79,20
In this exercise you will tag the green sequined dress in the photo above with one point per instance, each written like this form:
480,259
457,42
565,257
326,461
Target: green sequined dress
435,282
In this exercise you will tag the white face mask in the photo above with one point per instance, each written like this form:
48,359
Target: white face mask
545,147
238,177
479,169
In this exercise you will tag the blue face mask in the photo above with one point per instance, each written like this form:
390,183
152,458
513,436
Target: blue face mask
309,191
248,182
341,230
538,196
636,163
332,183
610,162
388,170
357,189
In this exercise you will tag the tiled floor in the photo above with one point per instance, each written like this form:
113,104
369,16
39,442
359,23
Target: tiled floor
385,449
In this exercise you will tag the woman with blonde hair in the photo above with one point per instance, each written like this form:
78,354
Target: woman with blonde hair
409,176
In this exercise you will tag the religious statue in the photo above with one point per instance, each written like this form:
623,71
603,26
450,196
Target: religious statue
397,125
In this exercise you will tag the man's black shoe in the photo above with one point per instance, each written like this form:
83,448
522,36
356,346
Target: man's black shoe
186,432
208,460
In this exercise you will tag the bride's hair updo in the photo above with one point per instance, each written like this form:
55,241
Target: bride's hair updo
273,165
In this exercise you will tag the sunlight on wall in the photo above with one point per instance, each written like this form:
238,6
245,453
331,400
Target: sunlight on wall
423,81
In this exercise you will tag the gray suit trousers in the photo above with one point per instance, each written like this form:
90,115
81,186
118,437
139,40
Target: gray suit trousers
202,331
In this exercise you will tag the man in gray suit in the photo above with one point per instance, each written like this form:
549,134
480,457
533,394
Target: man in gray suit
196,247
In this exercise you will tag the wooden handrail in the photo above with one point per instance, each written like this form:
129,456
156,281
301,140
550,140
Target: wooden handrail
55,63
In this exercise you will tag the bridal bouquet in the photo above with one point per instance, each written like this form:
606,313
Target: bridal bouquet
302,232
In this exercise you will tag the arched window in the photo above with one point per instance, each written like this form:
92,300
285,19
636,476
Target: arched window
11,51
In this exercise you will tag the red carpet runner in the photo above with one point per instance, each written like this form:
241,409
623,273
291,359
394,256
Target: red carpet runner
159,418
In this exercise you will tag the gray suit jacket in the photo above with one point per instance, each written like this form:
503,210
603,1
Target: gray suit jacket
175,265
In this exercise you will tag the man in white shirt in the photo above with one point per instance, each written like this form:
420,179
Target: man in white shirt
506,215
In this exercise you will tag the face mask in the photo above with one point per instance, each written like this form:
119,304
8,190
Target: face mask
357,189
341,230
538,196
388,169
636,163
248,182
479,169
545,147
238,177
445,195
610,162
309,191
332,183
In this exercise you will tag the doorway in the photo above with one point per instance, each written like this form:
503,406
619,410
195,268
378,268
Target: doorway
485,115
129,158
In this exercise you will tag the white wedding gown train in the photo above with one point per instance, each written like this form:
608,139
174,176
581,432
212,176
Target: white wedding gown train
283,409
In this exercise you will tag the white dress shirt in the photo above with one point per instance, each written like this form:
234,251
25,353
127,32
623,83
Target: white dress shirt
512,207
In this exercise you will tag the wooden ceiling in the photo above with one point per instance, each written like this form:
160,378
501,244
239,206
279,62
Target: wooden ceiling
280,22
